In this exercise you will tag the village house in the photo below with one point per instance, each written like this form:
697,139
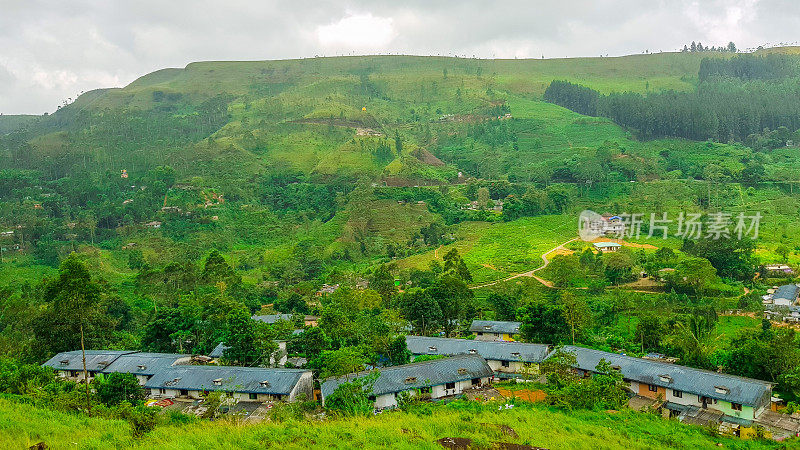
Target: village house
253,384
69,365
786,295
605,225
430,379
153,224
684,391
309,321
607,247
505,358
494,330
144,365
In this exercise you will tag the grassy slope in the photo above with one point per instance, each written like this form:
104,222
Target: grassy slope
23,425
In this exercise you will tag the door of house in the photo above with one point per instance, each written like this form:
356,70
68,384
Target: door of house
704,400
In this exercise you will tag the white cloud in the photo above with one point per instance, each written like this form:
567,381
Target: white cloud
357,32
51,50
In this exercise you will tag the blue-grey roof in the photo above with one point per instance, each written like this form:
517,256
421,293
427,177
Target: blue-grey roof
272,318
788,292
141,363
218,351
494,350
233,379
494,326
746,391
96,360
418,375
606,244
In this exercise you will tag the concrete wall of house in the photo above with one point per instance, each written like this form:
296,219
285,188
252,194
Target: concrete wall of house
644,391
747,412
196,395
513,366
487,336
305,385
439,391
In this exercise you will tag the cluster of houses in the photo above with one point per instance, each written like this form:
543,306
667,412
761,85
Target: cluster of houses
783,303
447,367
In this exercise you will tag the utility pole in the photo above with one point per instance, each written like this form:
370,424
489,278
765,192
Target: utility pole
85,374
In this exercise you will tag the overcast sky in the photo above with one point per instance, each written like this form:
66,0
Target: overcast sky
52,50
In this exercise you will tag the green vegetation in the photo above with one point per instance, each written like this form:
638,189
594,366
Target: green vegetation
163,215
21,426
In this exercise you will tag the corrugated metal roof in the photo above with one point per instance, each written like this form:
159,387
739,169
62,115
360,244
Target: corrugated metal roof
272,318
730,388
494,326
218,351
495,350
96,360
418,375
788,292
232,379
141,363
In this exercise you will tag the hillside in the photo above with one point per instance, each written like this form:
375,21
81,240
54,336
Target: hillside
22,426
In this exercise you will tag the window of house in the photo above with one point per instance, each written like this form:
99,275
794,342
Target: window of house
476,381
450,386
736,406
652,388
184,392
253,396
480,333
162,391
506,364
677,394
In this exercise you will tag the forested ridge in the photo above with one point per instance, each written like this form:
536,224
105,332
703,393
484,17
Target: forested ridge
734,99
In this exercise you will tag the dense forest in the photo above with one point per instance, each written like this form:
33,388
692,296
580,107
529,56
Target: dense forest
735,98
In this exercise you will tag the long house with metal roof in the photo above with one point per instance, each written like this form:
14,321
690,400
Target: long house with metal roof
69,365
494,330
254,384
503,357
434,379
682,388
170,375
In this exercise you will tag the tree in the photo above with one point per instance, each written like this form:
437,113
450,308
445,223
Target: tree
783,251
335,363
382,281
505,305
544,323
353,398
314,341
483,197
564,269
247,339
116,388
454,298
691,274
649,331
618,266
731,47
398,352
421,309
216,269
73,312
576,313
732,257
454,264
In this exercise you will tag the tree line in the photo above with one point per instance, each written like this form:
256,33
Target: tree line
735,98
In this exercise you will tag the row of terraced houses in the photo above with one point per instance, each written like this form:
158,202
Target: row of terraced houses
691,395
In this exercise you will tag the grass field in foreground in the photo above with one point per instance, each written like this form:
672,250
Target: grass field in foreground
23,425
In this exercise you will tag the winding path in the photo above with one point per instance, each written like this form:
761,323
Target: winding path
530,273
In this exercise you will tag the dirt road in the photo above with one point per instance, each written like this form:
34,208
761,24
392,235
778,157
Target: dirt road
530,273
